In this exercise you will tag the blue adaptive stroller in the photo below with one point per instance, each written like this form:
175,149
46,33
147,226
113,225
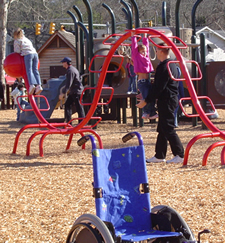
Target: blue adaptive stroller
122,202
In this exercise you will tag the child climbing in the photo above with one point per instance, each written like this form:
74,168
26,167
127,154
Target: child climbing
24,47
143,67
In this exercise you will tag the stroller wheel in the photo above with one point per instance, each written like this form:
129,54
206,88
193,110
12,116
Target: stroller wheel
89,228
176,221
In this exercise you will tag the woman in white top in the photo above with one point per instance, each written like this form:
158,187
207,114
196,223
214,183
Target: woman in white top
24,47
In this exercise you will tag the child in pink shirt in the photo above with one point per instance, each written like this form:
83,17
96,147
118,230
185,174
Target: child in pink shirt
143,67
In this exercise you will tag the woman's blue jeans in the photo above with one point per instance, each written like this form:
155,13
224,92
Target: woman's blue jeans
31,64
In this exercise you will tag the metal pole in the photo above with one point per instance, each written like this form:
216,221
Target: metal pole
156,18
136,11
127,17
193,69
193,16
164,20
90,41
80,18
91,48
194,57
112,17
203,68
76,36
129,14
86,33
177,18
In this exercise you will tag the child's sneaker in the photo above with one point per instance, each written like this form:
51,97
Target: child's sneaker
38,89
145,116
31,89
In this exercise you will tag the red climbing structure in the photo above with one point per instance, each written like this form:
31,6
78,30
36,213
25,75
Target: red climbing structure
14,66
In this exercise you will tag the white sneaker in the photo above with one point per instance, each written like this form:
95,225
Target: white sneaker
176,159
154,117
145,116
155,160
38,89
31,89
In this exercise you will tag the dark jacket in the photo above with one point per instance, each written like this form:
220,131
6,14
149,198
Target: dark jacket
164,87
1,91
73,81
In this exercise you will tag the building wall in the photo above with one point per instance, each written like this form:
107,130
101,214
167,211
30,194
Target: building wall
52,57
214,39
217,54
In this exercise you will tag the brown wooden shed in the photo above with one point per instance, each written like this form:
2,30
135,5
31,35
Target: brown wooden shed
61,44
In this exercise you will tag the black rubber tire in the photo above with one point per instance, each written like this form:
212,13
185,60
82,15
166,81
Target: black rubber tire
81,233
184,224
96,222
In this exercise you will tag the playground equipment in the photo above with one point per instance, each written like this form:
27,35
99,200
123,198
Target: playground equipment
52,95
122,201
154,37
14,66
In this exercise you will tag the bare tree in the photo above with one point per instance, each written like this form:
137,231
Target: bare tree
4,6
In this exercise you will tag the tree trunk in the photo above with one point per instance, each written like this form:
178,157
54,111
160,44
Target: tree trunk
4,4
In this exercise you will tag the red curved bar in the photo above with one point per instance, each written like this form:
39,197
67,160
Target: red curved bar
31,138
108,71
223,156
193,140
22,130
197,115
183,79
105,88
181,41
41,125
64,131
40,96
210,148
82,134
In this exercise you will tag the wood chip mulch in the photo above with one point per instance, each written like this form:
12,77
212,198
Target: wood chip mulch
42,196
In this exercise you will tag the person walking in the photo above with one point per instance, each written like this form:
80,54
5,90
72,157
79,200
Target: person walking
24,47
74,88
165,90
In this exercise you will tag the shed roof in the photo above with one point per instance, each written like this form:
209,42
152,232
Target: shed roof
67,37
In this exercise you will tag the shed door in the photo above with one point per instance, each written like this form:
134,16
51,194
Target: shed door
56,71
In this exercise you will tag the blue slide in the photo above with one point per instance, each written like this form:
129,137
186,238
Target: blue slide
51,92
